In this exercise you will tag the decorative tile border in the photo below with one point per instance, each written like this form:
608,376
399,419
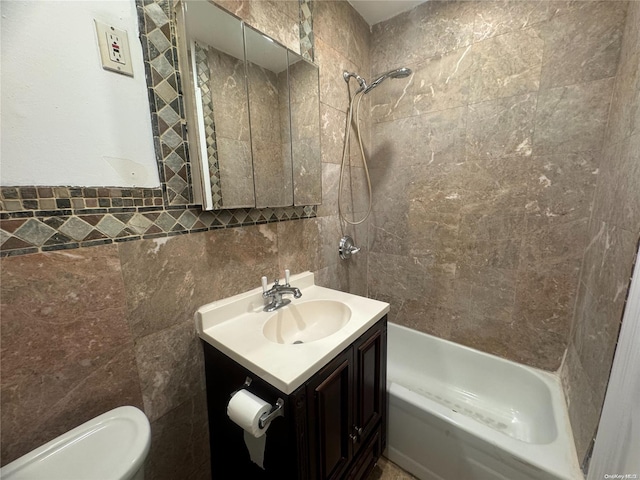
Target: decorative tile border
49,200
157,34
42,218
31,231
306,29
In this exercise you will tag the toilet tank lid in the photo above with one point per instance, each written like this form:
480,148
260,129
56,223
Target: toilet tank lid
112,446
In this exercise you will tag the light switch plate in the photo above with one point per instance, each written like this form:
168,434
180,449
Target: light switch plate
114,49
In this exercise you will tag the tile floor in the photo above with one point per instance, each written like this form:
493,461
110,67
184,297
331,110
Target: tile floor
386,470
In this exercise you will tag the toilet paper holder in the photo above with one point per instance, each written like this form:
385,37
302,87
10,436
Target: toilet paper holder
277,410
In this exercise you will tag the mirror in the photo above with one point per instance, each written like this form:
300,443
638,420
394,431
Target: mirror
305,130
221,106
253,113
267,74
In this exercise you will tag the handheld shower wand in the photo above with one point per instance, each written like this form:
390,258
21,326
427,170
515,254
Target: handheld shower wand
362,90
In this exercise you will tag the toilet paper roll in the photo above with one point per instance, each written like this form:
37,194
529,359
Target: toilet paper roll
255,446
245,410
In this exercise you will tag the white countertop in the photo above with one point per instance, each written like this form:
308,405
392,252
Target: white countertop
234,326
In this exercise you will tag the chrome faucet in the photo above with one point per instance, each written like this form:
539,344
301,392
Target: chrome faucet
275,293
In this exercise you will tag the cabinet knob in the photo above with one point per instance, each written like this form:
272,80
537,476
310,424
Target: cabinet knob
354,438
357,429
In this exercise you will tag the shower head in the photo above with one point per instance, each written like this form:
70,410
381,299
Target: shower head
397,73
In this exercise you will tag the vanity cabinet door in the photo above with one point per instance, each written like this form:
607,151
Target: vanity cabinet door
370,363
330,418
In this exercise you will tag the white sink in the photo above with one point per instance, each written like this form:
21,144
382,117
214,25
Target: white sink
306,322
267,343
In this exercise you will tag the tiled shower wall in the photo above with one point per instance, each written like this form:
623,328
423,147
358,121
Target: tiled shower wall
613,235
91,328
485,164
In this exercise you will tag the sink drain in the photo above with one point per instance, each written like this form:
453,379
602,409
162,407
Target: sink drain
297,342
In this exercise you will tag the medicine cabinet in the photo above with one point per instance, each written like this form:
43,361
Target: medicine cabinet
253,113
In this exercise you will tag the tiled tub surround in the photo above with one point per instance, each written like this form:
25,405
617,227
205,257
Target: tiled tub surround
612,237
88,329
485,166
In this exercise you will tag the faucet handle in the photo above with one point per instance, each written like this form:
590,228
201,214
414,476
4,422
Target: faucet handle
287,274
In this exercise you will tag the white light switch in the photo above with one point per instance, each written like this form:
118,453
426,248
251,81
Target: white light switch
114,49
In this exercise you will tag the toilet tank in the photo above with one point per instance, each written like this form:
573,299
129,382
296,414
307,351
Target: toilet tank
112,446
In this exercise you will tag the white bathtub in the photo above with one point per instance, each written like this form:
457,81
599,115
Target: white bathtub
459,414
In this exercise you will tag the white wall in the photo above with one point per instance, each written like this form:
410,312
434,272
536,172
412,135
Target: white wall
65,120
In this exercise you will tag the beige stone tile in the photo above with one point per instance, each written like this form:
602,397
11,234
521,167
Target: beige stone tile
545,298
164,281
403,277
180,442
171,368
506,65
330,181
56,312
582,45
490,293
494,185
359,41
499,17
561,187
583,410
333,89
428,139
332,127
438,83
549,243
492,239
572,119
617,201
598,320
298,242
331,24
514,342
387,231
438,27
236,258
501,128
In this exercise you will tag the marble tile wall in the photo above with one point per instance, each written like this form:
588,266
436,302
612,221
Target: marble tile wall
613,233
485,164
88,329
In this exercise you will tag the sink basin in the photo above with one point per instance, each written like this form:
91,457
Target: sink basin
326,321
304,322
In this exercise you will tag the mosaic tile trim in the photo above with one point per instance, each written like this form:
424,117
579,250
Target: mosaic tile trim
31,231
47,199
306,29
204,76
157,34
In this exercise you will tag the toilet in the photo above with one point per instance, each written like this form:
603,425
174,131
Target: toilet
112,446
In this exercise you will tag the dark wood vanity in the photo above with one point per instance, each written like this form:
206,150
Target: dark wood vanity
334,425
